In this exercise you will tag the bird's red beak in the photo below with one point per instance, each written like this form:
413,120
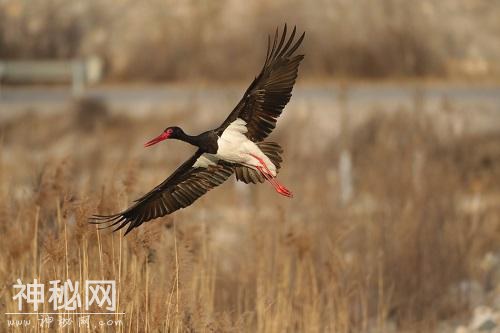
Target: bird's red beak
159,138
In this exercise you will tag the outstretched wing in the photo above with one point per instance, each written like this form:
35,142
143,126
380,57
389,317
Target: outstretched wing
180,190
271,90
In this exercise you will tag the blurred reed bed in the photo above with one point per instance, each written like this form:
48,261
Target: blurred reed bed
226,40
243,258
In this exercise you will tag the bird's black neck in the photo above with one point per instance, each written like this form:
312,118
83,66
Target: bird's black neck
192,139
206,141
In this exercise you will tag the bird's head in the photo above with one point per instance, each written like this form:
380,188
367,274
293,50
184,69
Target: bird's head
173,132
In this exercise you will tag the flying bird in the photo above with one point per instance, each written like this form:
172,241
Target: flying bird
237,146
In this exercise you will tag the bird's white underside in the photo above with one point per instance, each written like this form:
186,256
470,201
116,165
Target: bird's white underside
235,147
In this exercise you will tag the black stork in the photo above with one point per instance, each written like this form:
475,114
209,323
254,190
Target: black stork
236,146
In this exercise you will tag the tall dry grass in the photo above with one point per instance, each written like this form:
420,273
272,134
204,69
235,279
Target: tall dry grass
243,258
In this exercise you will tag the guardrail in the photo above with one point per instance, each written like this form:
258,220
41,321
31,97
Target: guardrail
80,72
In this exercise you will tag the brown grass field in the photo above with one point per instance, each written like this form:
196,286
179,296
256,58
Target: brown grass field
242,258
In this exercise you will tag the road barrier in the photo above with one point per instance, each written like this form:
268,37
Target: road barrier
79,72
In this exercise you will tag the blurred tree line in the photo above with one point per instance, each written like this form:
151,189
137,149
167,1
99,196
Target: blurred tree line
226,39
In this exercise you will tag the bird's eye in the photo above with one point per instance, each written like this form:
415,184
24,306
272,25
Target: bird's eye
169,131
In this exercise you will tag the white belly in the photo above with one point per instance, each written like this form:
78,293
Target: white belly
235,147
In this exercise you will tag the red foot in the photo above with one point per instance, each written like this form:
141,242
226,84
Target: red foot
284,191
280,188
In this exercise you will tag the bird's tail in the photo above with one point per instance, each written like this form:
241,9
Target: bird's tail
247,175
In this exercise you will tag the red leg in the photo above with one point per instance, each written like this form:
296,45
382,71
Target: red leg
280,188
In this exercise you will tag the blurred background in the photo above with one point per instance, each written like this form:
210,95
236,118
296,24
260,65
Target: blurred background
164,40
392,150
